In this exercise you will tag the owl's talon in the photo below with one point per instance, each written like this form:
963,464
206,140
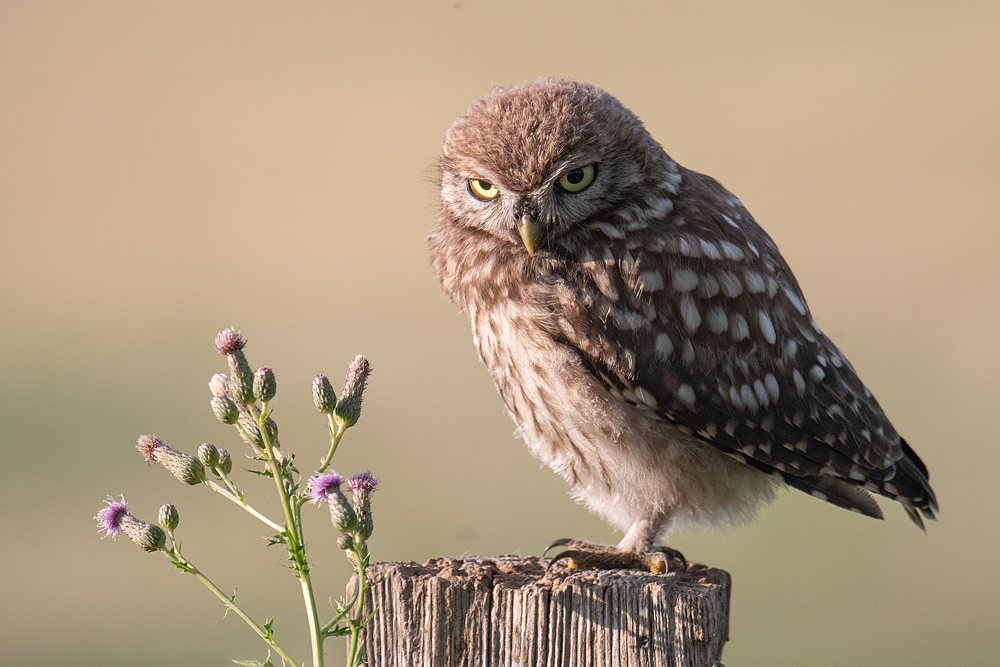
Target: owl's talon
559,543
673,555
564,555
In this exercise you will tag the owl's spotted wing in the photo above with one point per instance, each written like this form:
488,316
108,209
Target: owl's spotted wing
696,317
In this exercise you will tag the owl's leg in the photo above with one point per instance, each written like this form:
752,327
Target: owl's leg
634,552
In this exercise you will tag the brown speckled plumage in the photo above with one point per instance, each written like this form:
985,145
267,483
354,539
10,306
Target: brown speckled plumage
655,349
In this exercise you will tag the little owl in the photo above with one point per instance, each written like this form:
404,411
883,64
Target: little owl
644,332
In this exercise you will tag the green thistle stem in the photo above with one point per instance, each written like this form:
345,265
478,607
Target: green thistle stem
225,493
293,531
336,433
180,561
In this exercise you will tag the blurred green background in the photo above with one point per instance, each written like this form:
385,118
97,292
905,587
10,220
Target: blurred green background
171,169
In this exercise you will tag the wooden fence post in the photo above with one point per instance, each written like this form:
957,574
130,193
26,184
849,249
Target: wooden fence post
507,612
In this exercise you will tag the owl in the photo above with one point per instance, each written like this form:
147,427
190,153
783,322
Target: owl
644,332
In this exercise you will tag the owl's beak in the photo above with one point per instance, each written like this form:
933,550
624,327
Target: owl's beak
530,232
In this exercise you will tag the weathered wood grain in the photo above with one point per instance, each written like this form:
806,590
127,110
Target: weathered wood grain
507,612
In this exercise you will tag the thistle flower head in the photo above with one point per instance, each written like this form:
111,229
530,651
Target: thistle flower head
363,485
183,466
348,409
363,482
115,520
109,519
229,341
147,444
321,484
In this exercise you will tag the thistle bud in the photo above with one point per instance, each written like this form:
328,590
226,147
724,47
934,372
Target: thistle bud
208,454
264,384
363,486
342,515
345,541
348,409
326,486
115,520
230,343
225,465
242,378
225,410
146,536
183,466
219,384
323,395
169,517
252,431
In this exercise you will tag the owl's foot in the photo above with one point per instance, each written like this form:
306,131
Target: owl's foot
588,556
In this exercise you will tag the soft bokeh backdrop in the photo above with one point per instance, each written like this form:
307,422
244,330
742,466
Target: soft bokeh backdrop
170,169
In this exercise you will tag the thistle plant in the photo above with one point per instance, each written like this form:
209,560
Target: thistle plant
242,399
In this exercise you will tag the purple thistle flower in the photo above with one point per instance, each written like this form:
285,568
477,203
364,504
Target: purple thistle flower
364,481
321,484
229,341
147,444
110,518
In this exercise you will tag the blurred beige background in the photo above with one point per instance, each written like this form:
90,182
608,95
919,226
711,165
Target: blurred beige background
170,169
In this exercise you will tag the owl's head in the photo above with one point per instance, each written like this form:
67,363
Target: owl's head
527,163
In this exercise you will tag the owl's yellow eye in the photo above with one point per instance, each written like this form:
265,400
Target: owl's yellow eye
579,179
483,189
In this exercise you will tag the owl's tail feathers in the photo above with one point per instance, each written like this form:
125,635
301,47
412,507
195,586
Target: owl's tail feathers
837,492
911,486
